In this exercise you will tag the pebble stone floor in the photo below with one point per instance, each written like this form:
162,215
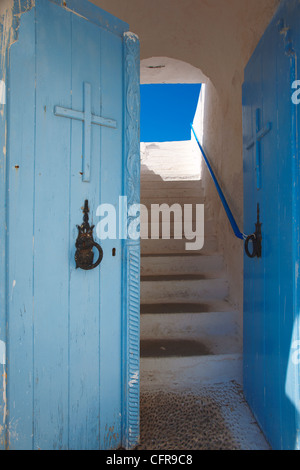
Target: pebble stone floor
216,418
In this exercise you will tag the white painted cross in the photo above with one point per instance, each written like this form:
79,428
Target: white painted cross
88,119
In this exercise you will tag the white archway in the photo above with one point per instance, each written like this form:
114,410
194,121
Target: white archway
168,70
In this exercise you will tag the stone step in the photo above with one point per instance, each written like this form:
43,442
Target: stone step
183,264
177,186
169,168
166,347
150,217
160,164
165,148
181,196
160,159
186,228
190,372
167,199
168,150
173,246
180,289
217,332
189,325
173,348
157,231
170,177
207,306
170,160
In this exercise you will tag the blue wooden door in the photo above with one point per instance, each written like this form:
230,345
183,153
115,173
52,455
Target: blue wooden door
71,125
271,180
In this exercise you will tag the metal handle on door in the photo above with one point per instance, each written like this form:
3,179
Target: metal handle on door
85,243
256,239
254,243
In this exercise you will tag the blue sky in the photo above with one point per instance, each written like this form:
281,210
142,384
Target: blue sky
167,111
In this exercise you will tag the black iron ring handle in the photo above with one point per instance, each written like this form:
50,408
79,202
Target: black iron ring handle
85,243
93,266
254,241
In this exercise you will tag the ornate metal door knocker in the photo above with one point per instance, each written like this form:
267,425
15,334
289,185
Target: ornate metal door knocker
256,239
85,243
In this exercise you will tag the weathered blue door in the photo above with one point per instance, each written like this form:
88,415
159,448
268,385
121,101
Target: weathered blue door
69,133
271,181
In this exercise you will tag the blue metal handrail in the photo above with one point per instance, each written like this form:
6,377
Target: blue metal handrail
232,221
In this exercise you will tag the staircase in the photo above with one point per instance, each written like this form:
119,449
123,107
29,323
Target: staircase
189,331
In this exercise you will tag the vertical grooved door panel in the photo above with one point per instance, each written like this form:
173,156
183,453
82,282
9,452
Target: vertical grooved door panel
66,327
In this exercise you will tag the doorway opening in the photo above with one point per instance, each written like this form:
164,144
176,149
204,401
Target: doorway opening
190,337
184,308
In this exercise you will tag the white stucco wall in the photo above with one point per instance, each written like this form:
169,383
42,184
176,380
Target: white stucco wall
217,37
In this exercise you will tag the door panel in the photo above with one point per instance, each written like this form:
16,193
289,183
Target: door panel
65,326
19,227
51,227
286,259
111,282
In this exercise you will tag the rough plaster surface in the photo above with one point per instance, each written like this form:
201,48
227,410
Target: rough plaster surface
217,37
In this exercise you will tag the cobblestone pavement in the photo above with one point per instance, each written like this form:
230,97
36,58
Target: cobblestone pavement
215,418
